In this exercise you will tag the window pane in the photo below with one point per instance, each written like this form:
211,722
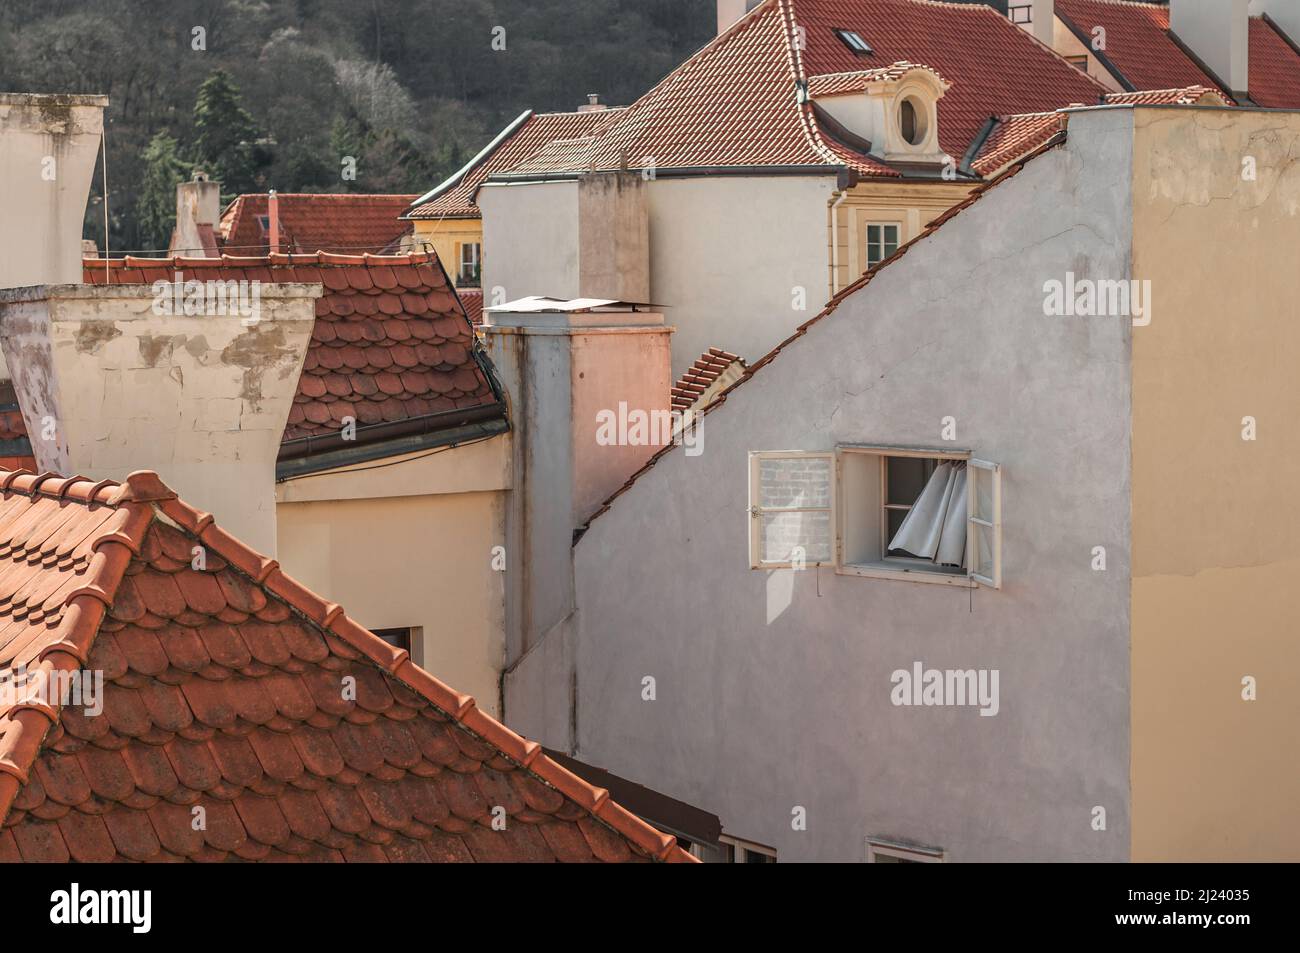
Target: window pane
782,532
983,493
907,477
873,234
983,564
788,482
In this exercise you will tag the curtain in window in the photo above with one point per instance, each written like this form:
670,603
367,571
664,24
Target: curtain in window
935,526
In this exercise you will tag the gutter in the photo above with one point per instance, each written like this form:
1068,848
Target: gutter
348,453
973,150
465,170
684,172
835,242
301,447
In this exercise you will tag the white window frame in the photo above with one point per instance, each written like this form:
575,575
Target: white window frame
740,848
978,523
476,260
756,512
917,853
866,240
914,570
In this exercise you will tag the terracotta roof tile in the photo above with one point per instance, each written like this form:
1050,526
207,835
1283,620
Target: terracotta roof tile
385,302
454,198
311,223
736,102
703,377
1140,47
246,718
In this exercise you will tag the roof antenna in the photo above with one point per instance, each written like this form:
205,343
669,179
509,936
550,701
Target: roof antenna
103,143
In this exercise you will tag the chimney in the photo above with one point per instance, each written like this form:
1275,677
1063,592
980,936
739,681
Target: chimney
590,390
273,223
1285,13
602,251
1215,32
198,217
729,11
593,105
115,378
48,149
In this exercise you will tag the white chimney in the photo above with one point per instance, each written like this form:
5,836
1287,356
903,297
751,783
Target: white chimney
1216,33
198,214
1042,18
116,378
729,11
48,149
1285,13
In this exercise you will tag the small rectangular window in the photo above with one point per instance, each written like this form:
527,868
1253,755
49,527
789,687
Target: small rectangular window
854,41
397,638
882,241
737,851
1079,62
1023,15
918,514
791,509
468,275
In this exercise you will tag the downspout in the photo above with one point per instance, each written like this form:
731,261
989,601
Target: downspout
835,242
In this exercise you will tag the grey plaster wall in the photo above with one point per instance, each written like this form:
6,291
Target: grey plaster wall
773,689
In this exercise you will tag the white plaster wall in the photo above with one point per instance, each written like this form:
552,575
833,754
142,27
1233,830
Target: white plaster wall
727,252
530,241
773,689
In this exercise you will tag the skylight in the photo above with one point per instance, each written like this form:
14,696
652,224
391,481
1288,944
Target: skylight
854,41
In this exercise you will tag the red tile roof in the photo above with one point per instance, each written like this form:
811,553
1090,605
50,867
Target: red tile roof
454,198
1274,67
1189,96
1139,46
391,340
472,299
702,377
735,102
346,223
831,306
224,690
1013,136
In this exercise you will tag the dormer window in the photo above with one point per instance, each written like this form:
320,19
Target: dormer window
907,120
854,41
892,109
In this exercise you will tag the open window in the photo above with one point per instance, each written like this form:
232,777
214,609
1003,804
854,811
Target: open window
881,850
925,515
791,509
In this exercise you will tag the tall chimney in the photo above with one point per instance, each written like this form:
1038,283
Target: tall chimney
48,149
729,11
1216,32
115,378
198,214
581,378
273,222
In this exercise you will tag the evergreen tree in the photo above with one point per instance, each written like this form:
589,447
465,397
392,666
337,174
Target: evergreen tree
226,138
156,205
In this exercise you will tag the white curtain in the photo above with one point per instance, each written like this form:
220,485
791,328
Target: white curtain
935,527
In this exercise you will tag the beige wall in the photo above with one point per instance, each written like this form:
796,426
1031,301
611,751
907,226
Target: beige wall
109,384
910,206
410,545
1215,518
445,236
